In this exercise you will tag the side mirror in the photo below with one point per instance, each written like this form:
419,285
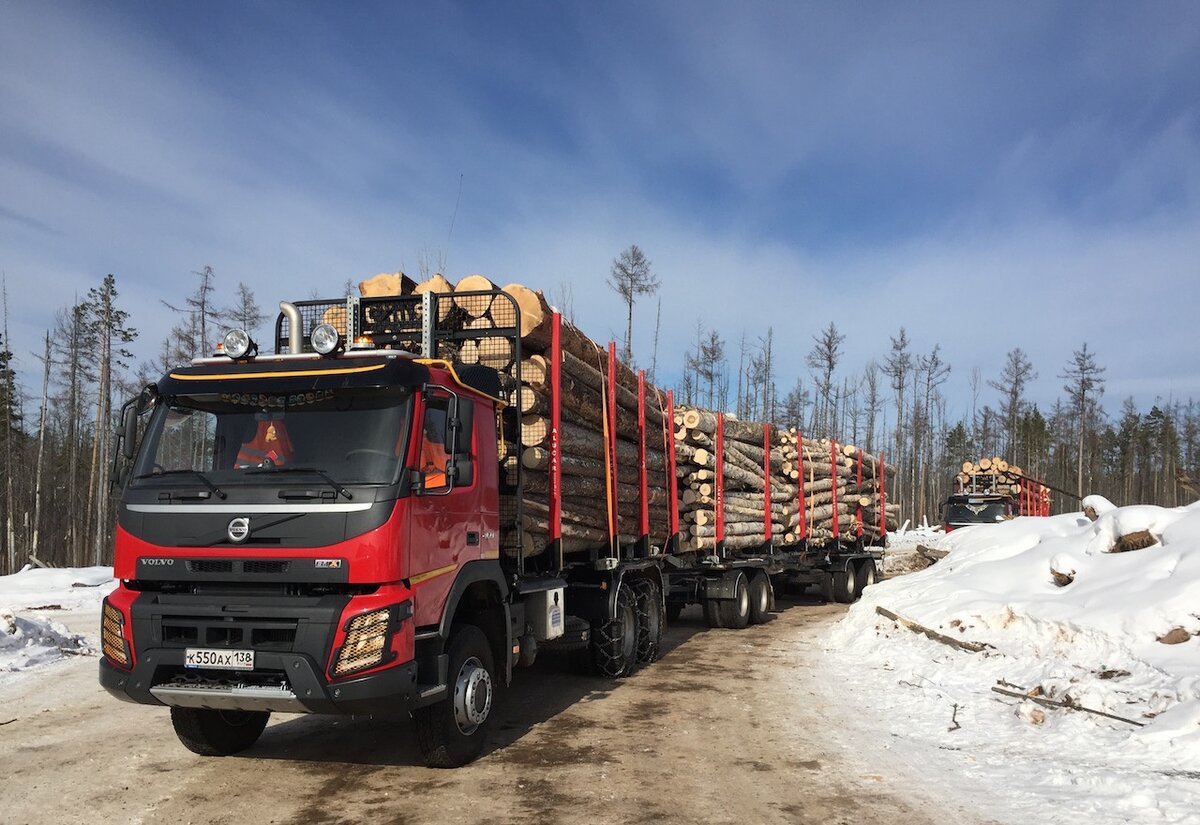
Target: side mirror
129,433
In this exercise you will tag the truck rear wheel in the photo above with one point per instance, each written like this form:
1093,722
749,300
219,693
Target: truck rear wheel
760,598
845,583
218,732
866,577
735,612
452,732
651,616
614,642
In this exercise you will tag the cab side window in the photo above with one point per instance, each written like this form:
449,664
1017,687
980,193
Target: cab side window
433,458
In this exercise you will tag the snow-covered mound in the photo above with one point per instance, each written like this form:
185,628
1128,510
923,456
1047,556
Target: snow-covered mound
62,588
1103,615
29,637
27,642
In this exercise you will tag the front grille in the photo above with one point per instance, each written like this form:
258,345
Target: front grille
277,567
253,633
210,566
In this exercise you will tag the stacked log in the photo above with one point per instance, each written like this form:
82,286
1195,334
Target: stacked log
995,476
584,422
587,498
827,475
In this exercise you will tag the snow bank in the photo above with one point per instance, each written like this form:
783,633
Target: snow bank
1069,619
29,637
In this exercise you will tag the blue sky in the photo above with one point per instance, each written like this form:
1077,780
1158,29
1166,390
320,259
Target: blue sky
988,176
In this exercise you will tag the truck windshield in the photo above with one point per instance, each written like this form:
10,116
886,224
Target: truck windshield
353,436
962,512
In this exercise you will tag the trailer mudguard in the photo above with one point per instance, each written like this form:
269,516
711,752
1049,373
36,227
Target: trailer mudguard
592,593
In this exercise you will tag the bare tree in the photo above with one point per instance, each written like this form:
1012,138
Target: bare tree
823,359
245,312
630,277
562,298
1018,371
1085,385
897,368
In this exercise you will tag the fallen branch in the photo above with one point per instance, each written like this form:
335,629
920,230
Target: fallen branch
1068,704
970,647
38,562
931,554
9,722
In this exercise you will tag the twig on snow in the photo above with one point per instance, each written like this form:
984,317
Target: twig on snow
1068,704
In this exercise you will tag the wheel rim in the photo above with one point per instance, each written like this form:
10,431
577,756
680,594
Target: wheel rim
850,582
472,696
763,598
868,576
743,599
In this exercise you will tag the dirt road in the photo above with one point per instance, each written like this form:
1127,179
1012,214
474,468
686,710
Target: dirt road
729,727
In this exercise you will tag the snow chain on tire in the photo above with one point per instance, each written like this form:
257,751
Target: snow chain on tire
614,643
651,616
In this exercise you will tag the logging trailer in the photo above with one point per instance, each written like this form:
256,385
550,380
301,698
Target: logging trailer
338,528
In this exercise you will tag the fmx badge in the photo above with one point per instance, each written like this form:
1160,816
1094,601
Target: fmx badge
239,529
328,564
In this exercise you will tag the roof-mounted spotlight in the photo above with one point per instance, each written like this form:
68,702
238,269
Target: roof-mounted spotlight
325,339
238,344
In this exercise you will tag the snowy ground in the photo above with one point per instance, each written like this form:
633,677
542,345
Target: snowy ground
1099,641
34,606
1120,637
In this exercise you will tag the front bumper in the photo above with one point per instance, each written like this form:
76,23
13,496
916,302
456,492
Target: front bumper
390,692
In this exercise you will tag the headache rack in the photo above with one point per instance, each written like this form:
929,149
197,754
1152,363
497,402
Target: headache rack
465,328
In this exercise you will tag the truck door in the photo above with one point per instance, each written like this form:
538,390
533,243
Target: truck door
447,522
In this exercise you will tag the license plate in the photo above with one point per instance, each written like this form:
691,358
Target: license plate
221,659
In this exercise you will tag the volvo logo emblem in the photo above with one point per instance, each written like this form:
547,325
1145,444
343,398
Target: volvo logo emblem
239,529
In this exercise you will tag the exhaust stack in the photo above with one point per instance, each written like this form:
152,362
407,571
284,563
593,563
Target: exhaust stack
295,327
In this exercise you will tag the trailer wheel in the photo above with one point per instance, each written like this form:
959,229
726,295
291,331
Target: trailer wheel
735,612
866,577
651,616
844,584
712,613
218,732
452,732
760,598
615,642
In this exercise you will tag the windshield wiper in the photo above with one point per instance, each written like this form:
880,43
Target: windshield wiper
332,483
216,491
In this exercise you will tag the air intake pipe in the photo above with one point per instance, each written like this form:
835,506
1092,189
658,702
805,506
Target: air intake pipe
295,327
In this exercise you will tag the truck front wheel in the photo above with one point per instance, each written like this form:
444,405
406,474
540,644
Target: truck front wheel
452,732
218,732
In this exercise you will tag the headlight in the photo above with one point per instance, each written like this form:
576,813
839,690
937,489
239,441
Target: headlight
366,642
112,637
237,344
325,338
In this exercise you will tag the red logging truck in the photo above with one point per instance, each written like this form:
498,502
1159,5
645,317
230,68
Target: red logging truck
282,546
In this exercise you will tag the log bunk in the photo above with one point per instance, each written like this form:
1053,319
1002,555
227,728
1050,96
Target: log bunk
633,468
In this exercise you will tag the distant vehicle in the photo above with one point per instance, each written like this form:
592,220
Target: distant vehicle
992,490
965,510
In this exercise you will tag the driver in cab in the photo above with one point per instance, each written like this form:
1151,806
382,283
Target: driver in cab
434,457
